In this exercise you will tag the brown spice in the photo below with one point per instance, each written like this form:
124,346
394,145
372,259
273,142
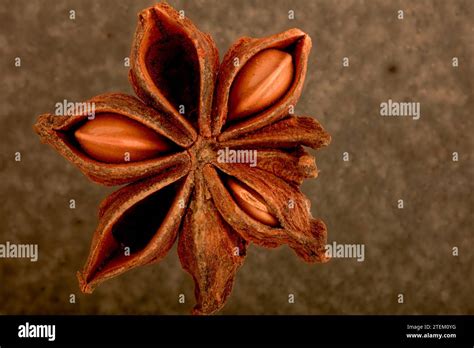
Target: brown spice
165,148
112,138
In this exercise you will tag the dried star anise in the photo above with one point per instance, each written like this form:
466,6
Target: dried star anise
165,147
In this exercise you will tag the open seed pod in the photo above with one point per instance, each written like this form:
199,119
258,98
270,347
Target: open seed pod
141,144
179,149
259,80
138,224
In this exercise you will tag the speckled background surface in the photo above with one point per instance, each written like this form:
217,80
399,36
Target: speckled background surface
407,251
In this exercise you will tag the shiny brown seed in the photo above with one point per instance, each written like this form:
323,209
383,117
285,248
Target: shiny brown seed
263,80
110,138
251,202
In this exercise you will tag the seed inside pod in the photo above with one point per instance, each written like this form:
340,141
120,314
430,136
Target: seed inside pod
263,80
113,138
251,202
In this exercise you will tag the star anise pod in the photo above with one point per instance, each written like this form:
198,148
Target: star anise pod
166,145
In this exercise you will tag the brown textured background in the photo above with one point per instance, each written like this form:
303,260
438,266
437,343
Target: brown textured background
408,251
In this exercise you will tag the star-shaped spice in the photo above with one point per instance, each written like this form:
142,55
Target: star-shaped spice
211,153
